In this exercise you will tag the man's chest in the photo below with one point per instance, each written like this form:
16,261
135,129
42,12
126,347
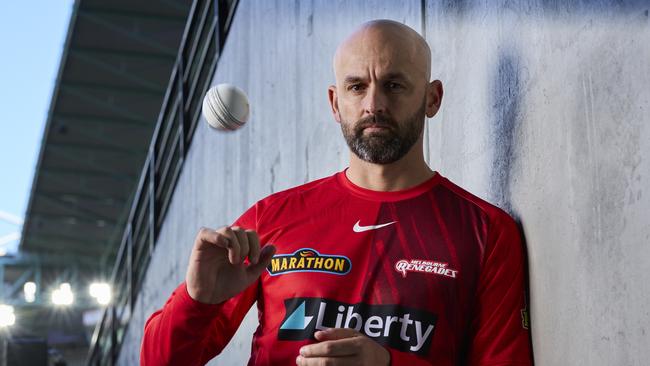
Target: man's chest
390,259
404,275
387,254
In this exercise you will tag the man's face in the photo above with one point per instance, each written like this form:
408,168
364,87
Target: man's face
380,139
380,98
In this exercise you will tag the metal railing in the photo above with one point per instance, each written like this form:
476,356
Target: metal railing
203,39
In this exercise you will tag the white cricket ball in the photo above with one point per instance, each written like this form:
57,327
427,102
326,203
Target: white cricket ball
225,107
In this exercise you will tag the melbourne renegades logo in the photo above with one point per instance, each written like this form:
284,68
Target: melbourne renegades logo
424,266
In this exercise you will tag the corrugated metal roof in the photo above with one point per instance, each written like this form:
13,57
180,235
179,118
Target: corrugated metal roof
113,75
112,78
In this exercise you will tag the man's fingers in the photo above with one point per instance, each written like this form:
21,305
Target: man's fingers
242,237
212,237
253,246
339,346
224,238
336,333
234,249
239,243
336,348
326,361
266,254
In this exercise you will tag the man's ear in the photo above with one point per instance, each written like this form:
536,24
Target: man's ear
334,102
434,98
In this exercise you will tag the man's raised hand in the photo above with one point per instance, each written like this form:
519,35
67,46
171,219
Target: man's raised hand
217,271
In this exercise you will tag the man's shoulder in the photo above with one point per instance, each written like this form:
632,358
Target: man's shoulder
298,191
491,210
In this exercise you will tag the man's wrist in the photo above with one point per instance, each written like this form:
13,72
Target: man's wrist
187,301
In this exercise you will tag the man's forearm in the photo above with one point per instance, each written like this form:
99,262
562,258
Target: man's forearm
178,333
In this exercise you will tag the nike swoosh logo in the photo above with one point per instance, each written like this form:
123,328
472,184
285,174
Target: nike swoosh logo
359,229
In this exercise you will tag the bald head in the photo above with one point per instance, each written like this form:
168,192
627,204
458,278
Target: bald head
390,43
382,79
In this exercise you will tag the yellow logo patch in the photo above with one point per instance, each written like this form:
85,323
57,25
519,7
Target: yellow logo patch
309,260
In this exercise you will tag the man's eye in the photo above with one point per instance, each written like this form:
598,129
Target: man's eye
355,87
394,86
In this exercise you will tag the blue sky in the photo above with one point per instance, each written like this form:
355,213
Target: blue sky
32,35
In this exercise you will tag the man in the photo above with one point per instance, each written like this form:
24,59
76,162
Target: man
386,262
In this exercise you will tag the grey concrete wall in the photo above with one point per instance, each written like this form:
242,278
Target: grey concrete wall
545,113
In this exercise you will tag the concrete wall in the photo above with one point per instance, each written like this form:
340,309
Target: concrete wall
545,113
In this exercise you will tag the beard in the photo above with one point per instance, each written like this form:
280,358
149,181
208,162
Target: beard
387,145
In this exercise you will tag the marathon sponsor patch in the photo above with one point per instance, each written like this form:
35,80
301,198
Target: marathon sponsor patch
424,266
308,260
402,328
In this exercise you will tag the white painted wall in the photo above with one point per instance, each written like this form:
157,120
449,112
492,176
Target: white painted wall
545,113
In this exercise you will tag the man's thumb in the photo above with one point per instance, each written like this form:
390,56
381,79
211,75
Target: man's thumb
266,254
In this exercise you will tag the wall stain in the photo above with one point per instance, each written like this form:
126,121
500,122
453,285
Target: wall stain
274,166
506,93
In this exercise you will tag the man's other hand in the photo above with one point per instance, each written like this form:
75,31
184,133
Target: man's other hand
342,346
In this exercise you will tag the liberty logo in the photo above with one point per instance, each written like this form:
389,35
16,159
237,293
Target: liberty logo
405,329
297,319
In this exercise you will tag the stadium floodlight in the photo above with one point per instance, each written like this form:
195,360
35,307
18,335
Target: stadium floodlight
63,295
7,316
101,292
29,288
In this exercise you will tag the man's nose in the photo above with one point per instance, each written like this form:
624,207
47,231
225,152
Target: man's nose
375,100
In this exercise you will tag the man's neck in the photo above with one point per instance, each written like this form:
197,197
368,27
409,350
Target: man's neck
405,173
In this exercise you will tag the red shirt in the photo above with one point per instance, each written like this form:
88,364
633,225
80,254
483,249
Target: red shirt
433,273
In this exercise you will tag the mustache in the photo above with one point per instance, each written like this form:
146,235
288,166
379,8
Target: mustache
376,121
